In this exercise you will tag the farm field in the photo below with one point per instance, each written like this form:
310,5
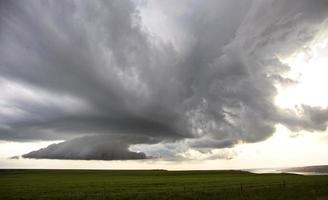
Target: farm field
158,184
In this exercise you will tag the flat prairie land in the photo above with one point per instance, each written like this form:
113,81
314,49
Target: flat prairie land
158,184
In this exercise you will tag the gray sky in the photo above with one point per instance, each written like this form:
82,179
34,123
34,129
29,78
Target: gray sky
167,77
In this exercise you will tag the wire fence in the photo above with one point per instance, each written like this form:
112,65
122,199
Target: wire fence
236,188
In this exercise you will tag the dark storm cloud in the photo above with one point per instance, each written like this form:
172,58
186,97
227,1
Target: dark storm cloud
96,68
100,147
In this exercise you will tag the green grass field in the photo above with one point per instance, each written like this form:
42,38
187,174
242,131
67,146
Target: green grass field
157,184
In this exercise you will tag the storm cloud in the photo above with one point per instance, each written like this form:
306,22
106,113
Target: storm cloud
105,75
90,148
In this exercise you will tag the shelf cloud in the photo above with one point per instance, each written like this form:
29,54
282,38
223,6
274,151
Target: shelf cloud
179,75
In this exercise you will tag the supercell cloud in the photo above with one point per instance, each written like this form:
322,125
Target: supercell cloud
162,77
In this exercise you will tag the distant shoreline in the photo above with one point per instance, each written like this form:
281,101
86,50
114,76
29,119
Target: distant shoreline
306,170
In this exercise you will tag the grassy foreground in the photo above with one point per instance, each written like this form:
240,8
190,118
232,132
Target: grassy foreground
157,184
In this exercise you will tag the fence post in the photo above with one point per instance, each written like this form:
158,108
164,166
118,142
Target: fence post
104,192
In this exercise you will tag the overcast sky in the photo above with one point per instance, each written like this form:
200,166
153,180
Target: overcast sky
161,80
